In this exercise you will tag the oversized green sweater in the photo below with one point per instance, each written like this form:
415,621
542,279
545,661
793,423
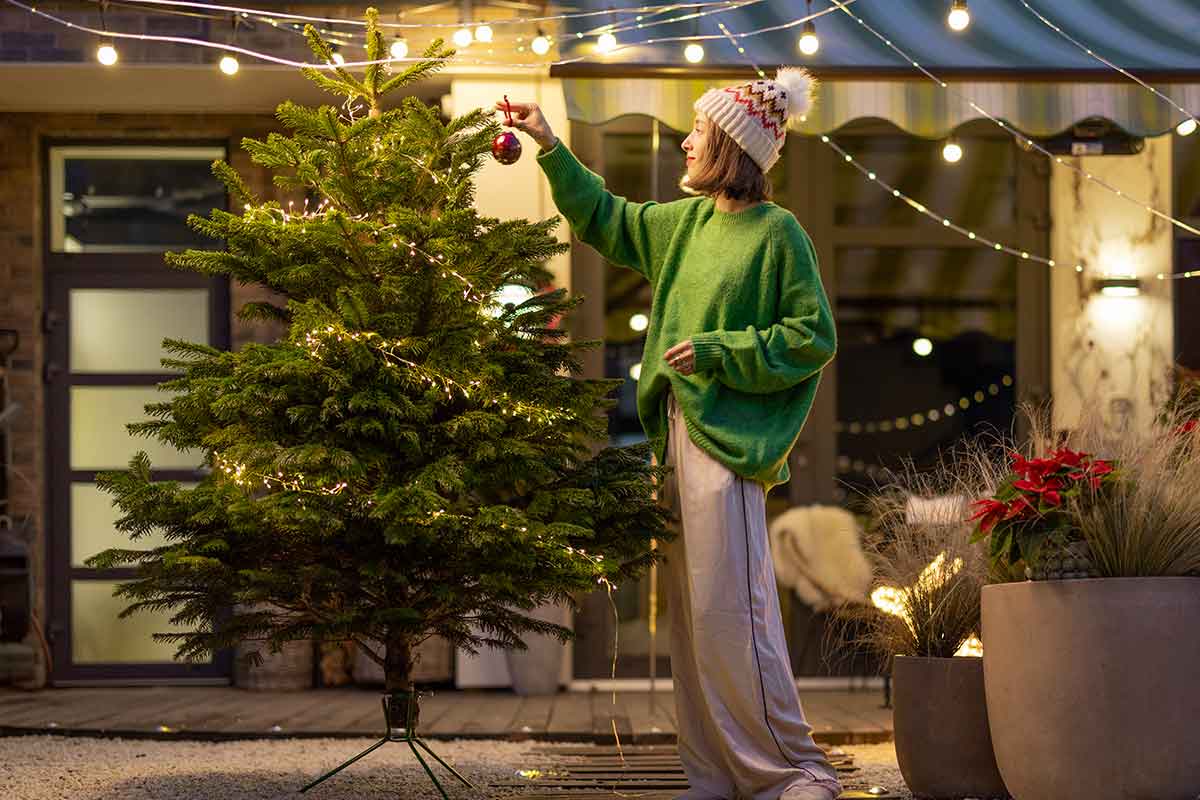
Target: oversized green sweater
743,286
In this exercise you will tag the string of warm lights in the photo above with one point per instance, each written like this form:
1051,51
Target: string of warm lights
920,418
1022,139
1184,128
946,222
606,43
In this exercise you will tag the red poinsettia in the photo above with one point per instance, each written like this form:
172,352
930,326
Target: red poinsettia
1187,427
1031,504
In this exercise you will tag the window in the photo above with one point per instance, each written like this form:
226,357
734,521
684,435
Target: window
119,199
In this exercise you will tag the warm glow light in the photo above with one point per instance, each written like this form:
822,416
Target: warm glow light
1120,291
540,45
338,58
922,346
229,65
463,37
639,322
809,43
106,54
1187,127
694,53
635,371
971,647
483,33
952,152
606,43
399,48
1119,286
891,600
959,18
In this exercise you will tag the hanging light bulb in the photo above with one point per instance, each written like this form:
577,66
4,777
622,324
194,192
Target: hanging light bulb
463,37
959,17
694,53
338,58
540,44
922,346
809,43
952,151
606,43
399,48
228,64
1187,127
106,54
483,33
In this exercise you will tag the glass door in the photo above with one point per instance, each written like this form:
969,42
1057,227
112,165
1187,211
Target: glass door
110,302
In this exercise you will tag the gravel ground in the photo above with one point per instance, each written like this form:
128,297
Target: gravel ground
59,767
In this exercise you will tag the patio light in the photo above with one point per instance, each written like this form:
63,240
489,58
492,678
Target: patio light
959,17
483,33
106,54
606,43
1118,286
463,37
229,65
809,43
540,45
399,48
1187,127
694,53
952,152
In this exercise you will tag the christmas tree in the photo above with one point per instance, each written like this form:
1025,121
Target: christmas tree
411,457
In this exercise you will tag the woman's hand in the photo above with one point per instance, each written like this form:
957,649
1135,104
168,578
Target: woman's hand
528,117
682,357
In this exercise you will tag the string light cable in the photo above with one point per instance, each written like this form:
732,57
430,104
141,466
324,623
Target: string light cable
1022,139
724,7
1188,116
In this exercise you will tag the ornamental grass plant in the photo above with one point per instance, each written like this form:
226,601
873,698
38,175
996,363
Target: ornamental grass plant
927,574
1131,495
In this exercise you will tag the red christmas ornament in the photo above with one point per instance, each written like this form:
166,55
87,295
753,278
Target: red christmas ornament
506,148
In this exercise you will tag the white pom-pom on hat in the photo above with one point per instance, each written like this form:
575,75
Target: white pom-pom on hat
800,86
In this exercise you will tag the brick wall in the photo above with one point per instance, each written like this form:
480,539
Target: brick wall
22,283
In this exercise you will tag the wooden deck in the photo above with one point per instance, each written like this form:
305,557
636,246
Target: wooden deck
837,717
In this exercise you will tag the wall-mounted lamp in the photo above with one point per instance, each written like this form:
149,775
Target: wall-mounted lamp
1126,286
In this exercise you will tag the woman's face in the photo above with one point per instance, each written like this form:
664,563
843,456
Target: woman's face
696,144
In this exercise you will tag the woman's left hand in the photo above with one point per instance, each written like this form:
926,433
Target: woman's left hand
682,357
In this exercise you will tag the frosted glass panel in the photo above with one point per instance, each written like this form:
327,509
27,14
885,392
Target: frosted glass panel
99,637
121,330
93,524
99,440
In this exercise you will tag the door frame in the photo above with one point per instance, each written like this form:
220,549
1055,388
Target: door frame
112,270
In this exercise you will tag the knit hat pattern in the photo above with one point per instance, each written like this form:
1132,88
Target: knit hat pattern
756,115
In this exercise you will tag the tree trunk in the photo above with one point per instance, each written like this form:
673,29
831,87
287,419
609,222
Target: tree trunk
403,709
397,664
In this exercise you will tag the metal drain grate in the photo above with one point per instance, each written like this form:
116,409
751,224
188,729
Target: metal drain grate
648,772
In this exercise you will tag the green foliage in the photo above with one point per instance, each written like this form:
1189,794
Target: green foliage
407,458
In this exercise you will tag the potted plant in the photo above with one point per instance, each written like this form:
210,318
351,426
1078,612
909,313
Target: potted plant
1091,681
924,616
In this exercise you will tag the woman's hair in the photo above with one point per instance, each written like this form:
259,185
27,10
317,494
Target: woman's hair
728,170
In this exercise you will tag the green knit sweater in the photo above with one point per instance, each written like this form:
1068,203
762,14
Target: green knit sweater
743,286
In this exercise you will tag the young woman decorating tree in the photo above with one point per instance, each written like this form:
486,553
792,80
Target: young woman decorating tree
740,329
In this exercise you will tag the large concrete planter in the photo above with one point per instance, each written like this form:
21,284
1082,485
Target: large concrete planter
1092,687
943,744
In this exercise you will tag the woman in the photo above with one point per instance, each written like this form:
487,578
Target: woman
740,328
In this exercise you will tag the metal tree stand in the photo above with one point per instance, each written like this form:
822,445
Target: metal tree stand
392,705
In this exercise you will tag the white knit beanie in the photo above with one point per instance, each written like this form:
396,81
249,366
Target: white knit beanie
756,114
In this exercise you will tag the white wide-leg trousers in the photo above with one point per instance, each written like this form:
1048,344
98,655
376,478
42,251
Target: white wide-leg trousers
742,732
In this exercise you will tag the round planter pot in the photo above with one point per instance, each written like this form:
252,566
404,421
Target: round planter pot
943,744
1092,687
536,671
